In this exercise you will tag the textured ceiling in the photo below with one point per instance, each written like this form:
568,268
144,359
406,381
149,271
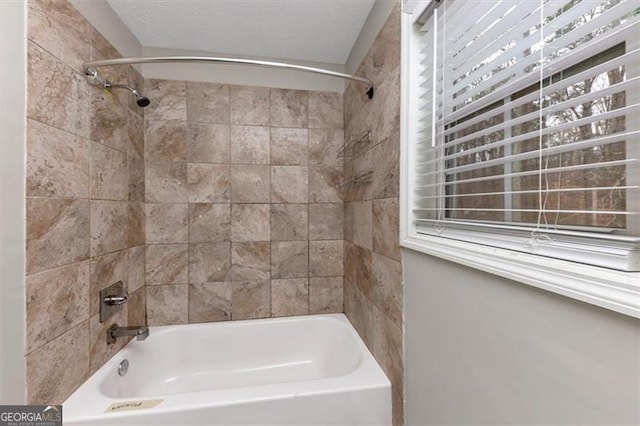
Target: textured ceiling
308,30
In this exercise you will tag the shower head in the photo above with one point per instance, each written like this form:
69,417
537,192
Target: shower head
141,100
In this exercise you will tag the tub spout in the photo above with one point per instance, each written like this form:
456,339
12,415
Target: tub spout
139,332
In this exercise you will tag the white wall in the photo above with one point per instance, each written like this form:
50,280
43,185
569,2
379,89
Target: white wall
483,349
13,114
242,75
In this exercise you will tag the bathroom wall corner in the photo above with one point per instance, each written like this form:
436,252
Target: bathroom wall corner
12,194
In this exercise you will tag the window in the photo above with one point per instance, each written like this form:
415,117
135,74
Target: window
522,130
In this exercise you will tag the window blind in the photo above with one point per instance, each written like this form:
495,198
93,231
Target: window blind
527,127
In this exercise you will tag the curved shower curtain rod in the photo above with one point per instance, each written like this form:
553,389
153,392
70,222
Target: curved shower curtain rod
95,78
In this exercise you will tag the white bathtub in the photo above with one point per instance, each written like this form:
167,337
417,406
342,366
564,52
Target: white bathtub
282,371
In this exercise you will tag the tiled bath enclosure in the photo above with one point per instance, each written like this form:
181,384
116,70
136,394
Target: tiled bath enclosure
217,202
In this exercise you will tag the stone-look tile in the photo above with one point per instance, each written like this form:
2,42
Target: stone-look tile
325,295
207,102
136,81
325,146
166,182
350,259
136,226
57,232
101,49
325,184
167,264
57,162
165,140
137,256
57,94
249,105
358,309
136,179
289,222
250,261
251,299
209,183
386,287
385,108
100,351
167,223
385,51
354,169
109,121
208,143
326,170
250,184
387,348
109,173
137,310
289,184
210,302
209,262
289,259
167,304
59,28
250,145
289,297
135,130
58,368
109,220
289,108
106,270
386,177
362,224
326,221
386,227
250,222
209,222
46,293
397,406
289,147
326,258
326,110
168,100
362,269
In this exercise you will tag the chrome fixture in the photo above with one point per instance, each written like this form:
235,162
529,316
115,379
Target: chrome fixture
123,367
95,78
111,300
141,100
140,332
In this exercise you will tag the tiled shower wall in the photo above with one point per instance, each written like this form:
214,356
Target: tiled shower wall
243,202
373,272
85,201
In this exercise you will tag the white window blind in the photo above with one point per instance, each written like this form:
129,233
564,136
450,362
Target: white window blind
527,127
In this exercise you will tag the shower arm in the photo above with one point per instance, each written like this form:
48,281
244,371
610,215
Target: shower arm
90,68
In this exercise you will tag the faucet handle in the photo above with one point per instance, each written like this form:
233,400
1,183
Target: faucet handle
115,300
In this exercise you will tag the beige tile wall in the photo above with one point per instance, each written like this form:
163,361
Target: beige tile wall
85,201
243,202
373,272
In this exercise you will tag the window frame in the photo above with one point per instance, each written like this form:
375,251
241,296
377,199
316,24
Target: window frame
615,290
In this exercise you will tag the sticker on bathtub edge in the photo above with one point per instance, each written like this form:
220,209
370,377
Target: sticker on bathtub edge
133,405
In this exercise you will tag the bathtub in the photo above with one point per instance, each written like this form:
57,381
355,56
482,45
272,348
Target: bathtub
308,370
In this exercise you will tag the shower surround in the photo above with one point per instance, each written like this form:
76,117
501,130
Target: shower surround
243,202
85,202
373,272
218,203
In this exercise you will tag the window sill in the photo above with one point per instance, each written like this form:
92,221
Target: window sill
610,289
